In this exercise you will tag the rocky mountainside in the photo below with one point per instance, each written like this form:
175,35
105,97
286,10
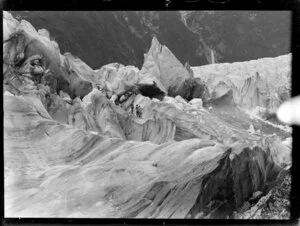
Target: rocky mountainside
230,36
196,37
121,141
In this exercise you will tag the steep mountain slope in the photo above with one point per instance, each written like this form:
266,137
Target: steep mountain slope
229,36
100,38
104,37
81,149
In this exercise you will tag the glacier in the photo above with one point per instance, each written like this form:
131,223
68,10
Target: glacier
73,147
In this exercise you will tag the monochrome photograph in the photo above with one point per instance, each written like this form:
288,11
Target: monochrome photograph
147,114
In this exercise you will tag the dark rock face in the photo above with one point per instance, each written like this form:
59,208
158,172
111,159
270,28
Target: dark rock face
125,36
116,36
240,35
151,91
276,204
200,90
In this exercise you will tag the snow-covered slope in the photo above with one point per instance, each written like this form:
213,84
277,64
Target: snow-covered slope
46,159
264,83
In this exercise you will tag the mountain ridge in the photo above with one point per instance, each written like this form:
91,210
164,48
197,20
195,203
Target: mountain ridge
124,36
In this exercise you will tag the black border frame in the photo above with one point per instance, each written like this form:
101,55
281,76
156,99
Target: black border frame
100,5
